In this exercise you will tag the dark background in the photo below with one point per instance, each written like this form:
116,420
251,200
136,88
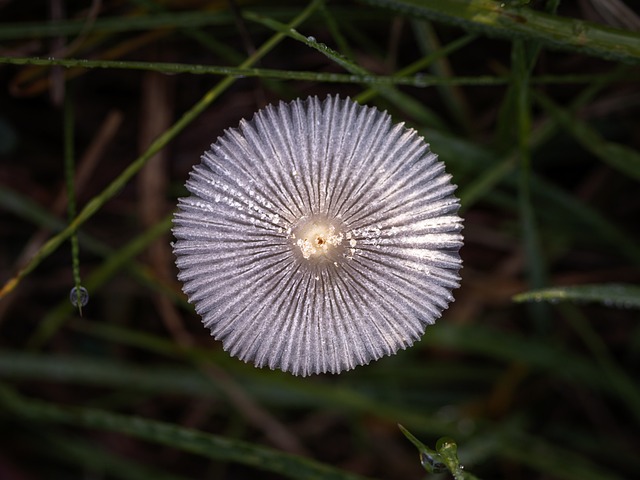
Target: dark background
527,390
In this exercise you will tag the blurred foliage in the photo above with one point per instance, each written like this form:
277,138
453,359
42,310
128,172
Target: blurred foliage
532,105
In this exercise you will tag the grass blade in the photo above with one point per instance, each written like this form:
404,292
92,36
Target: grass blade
620,157
500,19
611,295
193,441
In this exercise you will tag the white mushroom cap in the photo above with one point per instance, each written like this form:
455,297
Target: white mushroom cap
318,236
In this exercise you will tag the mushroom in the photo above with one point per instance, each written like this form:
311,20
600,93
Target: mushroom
318,236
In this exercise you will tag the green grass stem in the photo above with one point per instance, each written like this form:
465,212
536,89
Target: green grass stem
504,20
69,169
361,76
192,441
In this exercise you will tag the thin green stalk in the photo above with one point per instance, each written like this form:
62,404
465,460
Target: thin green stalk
505,20
116,185
123,257
362,76
334,29
626,75
78,293
523,60
613,295
25,208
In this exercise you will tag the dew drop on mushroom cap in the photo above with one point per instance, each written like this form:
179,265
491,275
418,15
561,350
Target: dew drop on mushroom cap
318,236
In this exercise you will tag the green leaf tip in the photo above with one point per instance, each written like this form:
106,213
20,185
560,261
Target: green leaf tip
443,459
609,294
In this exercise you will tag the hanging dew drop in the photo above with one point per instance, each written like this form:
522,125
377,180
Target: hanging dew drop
431,463
79,297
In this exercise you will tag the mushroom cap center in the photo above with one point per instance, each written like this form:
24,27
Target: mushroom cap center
318,238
